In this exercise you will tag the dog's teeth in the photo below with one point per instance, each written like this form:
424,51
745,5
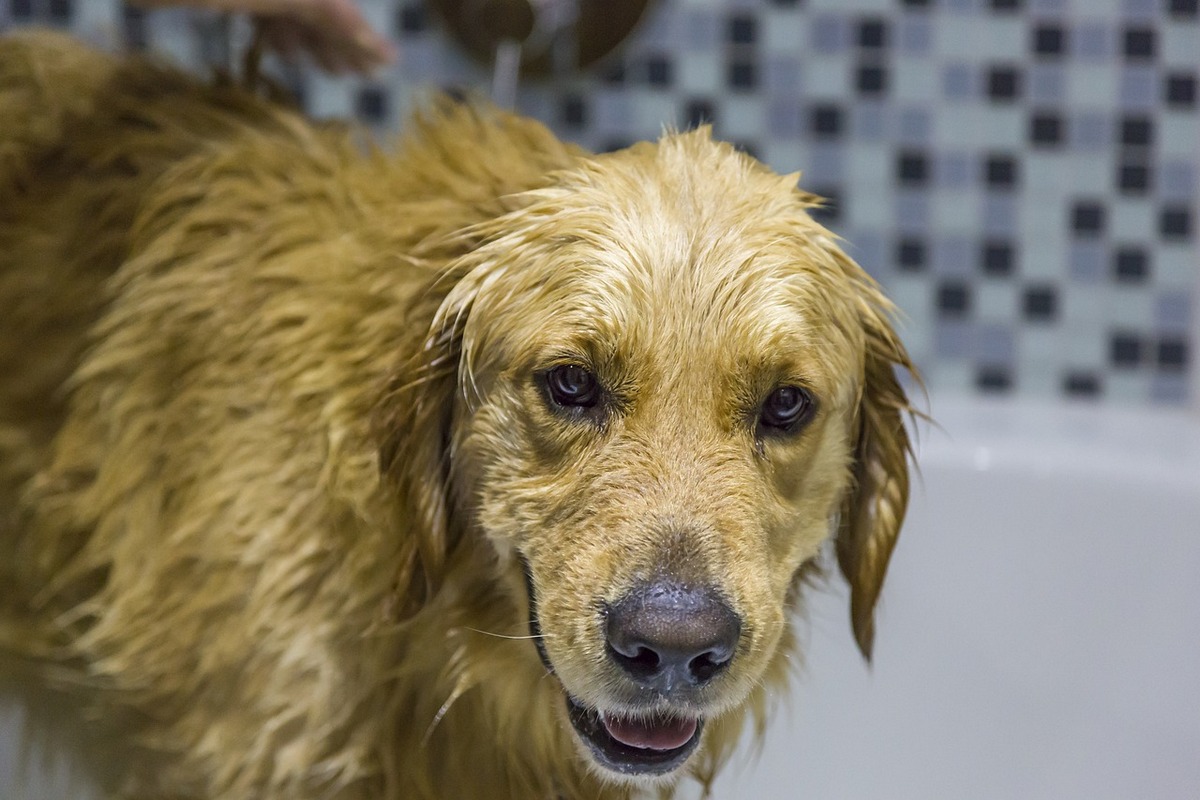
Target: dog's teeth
660,734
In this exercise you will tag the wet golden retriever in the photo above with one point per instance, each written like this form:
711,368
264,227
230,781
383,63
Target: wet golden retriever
487,468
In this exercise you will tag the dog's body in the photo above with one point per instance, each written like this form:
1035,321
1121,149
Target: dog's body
330,474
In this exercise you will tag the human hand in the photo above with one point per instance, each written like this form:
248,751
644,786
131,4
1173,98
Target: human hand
333,33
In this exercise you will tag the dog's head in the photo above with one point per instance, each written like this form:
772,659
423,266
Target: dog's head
657,387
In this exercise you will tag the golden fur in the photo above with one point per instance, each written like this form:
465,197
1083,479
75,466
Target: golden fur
273,450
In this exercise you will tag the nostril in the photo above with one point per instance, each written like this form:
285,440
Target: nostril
706,666
642,662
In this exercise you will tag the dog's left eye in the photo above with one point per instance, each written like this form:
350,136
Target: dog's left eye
572,385
786,407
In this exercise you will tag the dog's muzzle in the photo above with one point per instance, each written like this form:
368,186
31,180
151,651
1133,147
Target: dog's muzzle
668,640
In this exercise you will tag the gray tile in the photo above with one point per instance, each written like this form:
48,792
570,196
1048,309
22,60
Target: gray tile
1177,180
612,110
870,121
826,164
830,33
1173,312
1000,214
1048,7
954,254
1092,41
1047,84
954,339
914,126
911,212
915,36
1087,262
1140,88
701,29
958,82
995,344
1171,390
782,75
785,119
1140,10
868,249
1090,130
954,170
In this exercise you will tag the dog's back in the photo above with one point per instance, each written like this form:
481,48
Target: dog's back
85,135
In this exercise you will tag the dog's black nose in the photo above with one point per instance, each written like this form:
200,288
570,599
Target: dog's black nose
665,635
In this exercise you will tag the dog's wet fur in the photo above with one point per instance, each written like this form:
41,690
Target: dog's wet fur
484,467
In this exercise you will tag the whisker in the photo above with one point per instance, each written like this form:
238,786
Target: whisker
507,636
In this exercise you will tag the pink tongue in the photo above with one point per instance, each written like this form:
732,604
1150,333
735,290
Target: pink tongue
662,734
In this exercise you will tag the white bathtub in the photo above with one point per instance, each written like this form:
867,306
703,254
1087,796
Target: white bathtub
1040,630
1039,635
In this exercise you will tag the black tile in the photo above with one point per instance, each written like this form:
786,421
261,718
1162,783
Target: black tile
574,111
912,168
614,144
825,121
911,254
1131,265
1175,222
830,211
1172,354
916,3
1045,129
1186,9
1087,218
459,93
1005,5
660,72
743,75
1082,385
1139,43
1179,90
1133,178
1049,40
870,79
749,148
133,22
743,29
21,10
997,259
699,112
1001,172
412,19
1003,83
1137,131
614,73
994,379
371,105
60,12
1040,304
1125,350
953,300
872,33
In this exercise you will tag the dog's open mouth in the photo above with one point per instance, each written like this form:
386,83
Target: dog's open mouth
633,745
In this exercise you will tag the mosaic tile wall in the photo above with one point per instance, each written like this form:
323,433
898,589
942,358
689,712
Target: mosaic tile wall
1022,175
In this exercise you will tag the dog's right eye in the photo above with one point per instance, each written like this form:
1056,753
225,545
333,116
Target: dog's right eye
573,386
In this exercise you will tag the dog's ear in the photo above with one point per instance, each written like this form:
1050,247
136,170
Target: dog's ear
874,507
413,429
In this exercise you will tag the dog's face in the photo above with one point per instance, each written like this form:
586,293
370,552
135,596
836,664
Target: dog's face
665,399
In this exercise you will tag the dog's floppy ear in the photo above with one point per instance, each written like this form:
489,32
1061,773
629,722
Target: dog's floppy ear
873,509
413,428
414,417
